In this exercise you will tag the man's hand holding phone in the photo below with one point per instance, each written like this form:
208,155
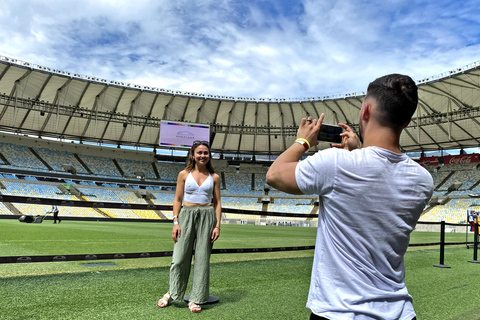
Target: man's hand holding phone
349,140
309,129
330,133
315,130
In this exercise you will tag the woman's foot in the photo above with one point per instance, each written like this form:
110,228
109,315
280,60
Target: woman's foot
163,302
195,308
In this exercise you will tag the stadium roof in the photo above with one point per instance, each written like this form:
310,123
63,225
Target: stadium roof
45,102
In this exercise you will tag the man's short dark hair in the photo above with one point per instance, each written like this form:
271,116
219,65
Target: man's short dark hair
397,98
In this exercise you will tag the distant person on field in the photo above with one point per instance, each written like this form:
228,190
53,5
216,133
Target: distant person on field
471,220
55,215
370,201
196,226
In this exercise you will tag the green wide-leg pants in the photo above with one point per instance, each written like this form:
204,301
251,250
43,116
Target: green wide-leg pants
196,227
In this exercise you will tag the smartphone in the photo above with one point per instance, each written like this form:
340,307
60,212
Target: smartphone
330,133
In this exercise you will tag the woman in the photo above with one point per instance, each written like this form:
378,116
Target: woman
196,226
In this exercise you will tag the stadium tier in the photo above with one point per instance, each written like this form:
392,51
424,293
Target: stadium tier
19,156
100,166
56,159
95,174
130,168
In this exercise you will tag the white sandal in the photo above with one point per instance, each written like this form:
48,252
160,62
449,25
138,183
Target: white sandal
165,300
192,306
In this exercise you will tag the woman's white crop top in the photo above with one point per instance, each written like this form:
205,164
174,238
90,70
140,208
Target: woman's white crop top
194,193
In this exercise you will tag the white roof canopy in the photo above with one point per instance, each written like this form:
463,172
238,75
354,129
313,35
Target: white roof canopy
51,103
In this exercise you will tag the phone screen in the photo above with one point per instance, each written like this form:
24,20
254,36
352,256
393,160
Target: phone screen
330,133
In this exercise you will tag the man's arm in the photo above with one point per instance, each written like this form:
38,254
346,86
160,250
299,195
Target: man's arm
281,174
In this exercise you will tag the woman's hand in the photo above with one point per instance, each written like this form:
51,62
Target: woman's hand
176,233
215,234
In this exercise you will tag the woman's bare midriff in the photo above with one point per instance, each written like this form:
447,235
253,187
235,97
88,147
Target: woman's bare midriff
188,204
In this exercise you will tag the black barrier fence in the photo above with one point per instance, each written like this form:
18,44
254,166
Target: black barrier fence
109,256
475,244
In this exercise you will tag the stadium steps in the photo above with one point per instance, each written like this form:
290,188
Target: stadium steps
155,170
444,180
474,185
82,163
4,160
314,211
103,213
12,208
158,212
118,167
147,197
427,210
223,180
40,158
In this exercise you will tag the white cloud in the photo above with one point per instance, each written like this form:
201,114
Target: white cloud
250,49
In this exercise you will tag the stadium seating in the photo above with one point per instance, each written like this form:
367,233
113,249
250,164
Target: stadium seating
23,188
168,171
237,192
129,168
20,157
100,166
56,159
454,211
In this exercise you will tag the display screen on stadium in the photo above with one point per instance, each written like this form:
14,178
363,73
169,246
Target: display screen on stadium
182,134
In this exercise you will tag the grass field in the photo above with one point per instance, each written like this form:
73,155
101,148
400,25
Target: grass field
270,285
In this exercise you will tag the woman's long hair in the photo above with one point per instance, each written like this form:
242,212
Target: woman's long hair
190,163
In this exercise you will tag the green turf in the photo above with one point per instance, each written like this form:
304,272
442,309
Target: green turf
78,237
250,286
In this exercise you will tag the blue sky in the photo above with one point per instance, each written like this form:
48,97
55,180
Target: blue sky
239,48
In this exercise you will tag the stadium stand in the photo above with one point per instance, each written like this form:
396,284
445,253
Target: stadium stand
100,166
242,185
19,156
30,189
129,167
455,211
37,157
168,171
57,159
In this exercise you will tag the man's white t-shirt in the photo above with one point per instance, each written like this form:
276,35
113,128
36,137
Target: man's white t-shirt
370,202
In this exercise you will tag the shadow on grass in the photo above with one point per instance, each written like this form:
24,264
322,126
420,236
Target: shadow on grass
471,315
132,294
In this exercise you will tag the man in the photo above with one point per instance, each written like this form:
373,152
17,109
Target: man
370,201
471,220
55,214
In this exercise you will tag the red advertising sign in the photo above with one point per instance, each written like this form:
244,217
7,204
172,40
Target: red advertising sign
429,161
450,160
460,159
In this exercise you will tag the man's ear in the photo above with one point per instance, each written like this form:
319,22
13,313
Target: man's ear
367,111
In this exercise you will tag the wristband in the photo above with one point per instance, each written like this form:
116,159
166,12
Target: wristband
304,140
175,217
303,143
176,222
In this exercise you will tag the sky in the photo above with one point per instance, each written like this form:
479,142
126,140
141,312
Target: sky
240,48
